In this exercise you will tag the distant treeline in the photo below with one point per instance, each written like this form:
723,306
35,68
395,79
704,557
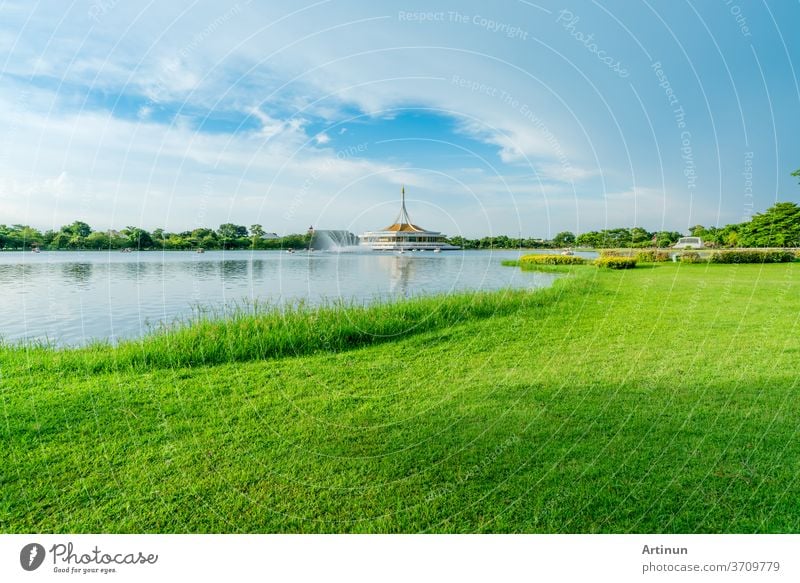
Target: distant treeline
80,235
621,237
778,226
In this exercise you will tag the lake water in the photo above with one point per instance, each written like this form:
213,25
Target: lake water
68,298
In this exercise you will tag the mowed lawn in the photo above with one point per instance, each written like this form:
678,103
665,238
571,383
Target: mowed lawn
660,399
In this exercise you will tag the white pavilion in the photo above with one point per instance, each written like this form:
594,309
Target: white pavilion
403,235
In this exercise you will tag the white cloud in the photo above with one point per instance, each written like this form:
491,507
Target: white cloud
565,172
111,171
271,127
516,145
171,80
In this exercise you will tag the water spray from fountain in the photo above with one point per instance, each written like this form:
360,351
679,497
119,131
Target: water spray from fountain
336,241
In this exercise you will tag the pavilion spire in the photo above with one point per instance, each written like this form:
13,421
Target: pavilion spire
403,218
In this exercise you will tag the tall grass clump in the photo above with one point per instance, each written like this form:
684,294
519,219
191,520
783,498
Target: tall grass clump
690,257
269,331
751,256
652,256
615,262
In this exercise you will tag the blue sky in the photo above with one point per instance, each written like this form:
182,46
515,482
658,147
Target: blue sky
515,117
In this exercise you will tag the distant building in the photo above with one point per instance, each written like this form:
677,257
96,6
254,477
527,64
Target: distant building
270,236
403,235
689,243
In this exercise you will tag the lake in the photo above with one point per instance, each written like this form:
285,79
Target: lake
69,298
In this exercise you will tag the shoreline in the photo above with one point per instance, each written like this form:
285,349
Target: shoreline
267,331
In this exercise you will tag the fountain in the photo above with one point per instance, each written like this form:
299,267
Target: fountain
338,241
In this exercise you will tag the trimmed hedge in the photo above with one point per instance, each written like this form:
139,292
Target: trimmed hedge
690,257
613,262
652,256
551,260
752,257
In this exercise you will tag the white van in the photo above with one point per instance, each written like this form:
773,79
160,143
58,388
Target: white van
689,243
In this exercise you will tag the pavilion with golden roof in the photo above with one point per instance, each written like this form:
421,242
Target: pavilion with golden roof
403,235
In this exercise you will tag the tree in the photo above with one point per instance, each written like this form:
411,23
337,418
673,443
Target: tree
230,231
256,235
28,236
117,240
592,239
667,238
60,240
564,239
77,228
796,173
138,238
460,241
778,226
201,237
208,242
159,238
76,242
640,237
231,235
97,240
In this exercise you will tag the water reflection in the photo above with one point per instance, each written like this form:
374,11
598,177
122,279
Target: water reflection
257,266
132,269
233,268
80,273
204,269
401,270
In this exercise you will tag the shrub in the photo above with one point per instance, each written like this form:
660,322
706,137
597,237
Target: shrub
751,256
609,253
652,256
690,257
612,262
551,260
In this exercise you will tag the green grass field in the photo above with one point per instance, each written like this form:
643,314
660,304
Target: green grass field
659,399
